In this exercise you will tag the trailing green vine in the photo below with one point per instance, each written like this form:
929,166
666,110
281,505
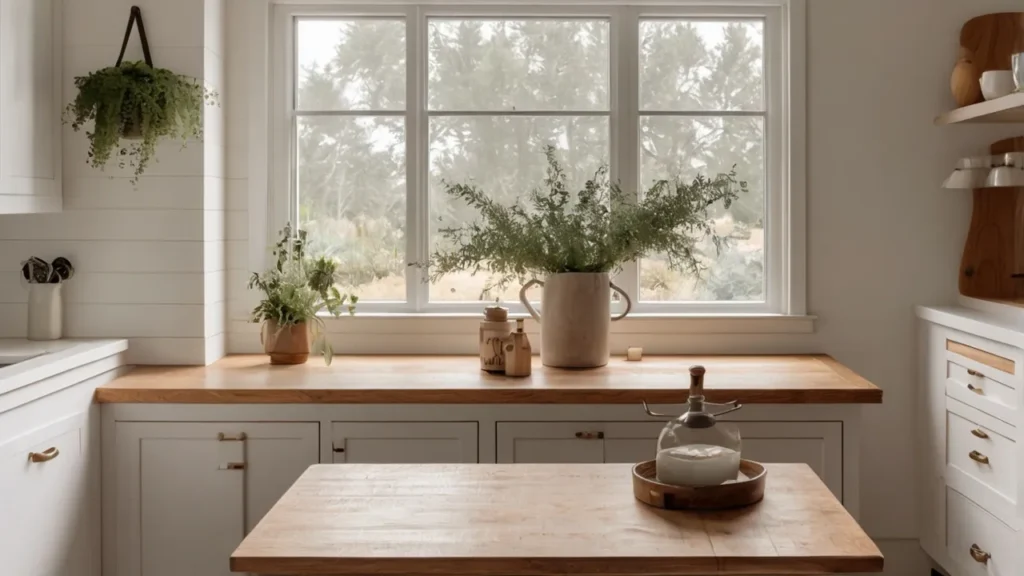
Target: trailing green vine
136,101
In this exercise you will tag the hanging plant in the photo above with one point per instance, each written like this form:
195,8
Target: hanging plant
136,101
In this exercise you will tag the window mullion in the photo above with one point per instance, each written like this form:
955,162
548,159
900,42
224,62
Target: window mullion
415,159
625,122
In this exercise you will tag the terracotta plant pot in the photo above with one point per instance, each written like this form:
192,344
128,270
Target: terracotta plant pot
289,345
576,310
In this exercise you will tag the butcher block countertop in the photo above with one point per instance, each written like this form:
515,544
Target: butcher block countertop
543,520
810,379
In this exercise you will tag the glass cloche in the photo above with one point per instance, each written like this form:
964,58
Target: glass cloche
694,449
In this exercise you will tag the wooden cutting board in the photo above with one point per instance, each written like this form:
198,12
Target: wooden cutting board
992,267
991,40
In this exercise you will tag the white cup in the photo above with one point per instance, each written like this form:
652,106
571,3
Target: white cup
1018,71
996,84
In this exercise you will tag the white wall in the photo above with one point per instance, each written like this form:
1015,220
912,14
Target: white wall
151,258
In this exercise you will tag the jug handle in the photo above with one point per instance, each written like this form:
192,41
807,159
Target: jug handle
629,303
526,301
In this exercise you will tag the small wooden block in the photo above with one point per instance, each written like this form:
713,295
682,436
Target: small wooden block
634,354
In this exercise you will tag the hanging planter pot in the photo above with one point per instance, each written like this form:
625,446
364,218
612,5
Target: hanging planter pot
139,102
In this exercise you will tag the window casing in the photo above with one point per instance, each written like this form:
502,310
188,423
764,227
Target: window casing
623,111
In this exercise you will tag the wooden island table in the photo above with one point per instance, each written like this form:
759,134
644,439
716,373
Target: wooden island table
542,520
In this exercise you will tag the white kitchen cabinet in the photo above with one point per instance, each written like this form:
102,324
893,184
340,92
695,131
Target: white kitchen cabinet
817,444
971,387
30,106
189,492
404,442
46,498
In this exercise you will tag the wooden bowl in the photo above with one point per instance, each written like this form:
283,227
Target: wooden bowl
747,489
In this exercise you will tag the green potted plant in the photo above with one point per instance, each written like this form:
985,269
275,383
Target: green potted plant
575,242
139,102
294,291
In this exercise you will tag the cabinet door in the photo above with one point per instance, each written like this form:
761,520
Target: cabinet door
46,503
189,492
30,105
404,442
817,444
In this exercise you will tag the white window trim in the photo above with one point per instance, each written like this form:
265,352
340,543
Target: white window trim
786,233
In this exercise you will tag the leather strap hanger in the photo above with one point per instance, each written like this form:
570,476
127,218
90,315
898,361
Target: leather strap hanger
136,16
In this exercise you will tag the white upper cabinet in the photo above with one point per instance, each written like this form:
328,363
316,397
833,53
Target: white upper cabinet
30,106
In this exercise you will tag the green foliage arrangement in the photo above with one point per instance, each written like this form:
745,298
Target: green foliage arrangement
297,288
596,229
135,100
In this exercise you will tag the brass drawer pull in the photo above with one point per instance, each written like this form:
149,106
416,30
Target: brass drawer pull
590,435
975,389
44,456
975,373
222,437
978,457
980,433
979,555
233,466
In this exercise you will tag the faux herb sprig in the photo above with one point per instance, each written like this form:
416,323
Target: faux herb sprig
298,287
597,229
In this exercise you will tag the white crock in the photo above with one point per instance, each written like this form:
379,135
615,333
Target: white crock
576,318
45,312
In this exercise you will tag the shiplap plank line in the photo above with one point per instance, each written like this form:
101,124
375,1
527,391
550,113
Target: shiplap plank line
175,225
117,288
156,256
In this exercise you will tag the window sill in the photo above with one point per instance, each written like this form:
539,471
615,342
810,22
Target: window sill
397,323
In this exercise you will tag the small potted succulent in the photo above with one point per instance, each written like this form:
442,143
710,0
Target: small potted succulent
575,241
294,291
139,102
45,306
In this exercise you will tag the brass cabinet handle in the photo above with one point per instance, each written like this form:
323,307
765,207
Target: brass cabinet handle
978,457
979,555
975,389
590,435
979,433
975,373
44,456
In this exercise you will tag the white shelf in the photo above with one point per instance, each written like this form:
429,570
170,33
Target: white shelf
1005,110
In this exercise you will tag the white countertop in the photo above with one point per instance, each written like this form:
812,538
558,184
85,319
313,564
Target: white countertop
31,361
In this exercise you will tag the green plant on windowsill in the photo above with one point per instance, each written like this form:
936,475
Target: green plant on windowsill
294,291
140,103
594,230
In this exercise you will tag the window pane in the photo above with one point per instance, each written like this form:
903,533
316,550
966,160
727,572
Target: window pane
503,156
351,187
350,64
501,65
685,146
701,65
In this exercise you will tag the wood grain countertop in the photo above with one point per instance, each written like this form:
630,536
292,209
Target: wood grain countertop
459,380
543,520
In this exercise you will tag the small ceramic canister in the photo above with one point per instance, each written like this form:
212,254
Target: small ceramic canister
996,84
494,330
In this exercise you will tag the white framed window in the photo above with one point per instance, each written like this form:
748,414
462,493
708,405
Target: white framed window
373,107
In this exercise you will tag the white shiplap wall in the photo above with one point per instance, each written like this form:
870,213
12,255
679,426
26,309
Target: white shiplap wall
151,257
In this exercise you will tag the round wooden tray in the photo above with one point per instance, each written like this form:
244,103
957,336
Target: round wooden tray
747,489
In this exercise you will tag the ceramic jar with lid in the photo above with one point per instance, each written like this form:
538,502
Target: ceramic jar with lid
494,330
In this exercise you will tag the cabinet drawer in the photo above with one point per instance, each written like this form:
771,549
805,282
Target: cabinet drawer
978,543
975,388
404,442
44,491
817,444
978,446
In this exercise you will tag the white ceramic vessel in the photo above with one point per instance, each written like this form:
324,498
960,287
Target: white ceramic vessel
576,318
45,312
997,83
1018,71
